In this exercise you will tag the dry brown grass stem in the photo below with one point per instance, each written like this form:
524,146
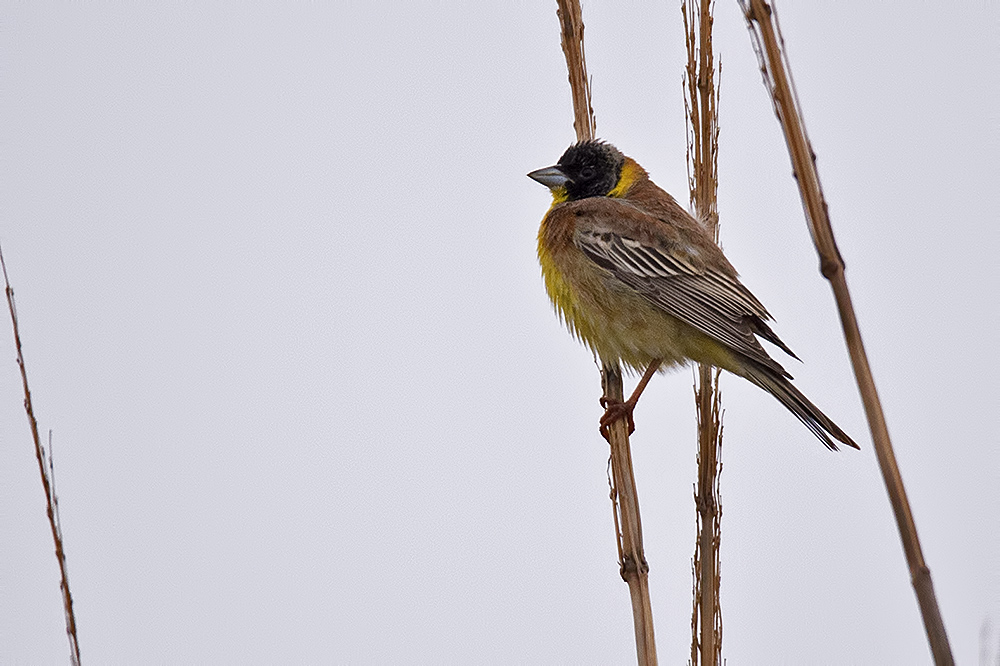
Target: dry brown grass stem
628,524
48,485
706,614
769,45
571,29
700,103
625,501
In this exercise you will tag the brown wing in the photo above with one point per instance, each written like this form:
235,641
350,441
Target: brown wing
678,273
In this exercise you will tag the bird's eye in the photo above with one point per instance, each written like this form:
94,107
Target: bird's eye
587,172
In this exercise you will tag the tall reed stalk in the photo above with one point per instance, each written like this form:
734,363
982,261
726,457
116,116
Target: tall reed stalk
700,103
769,45
625,501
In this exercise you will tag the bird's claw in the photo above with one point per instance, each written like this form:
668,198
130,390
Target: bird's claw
615,410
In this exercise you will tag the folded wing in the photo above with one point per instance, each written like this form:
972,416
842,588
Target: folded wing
676,278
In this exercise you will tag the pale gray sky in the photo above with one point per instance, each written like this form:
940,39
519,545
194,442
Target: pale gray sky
275,269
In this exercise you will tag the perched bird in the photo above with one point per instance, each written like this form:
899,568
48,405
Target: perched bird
640,281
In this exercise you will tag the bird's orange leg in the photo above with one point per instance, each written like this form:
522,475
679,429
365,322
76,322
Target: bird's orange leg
614,410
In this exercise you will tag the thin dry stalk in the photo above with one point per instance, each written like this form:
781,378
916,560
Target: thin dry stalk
625,501
48,484
706,614
571,28
701,98
769,46
628,525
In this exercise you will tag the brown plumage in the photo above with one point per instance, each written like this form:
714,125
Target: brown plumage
640,281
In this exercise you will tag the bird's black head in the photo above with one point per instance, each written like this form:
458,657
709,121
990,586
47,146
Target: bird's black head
593,169
586,169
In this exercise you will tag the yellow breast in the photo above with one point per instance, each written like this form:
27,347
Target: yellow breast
612,319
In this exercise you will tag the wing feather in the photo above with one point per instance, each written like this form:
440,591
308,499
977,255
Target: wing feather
711,300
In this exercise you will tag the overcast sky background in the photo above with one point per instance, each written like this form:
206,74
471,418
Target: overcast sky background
276,278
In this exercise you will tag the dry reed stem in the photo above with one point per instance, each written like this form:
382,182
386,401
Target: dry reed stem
769,46
571,29
48,484
701,97
631,559
625,501
706,615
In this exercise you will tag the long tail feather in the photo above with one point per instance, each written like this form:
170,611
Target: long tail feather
799,405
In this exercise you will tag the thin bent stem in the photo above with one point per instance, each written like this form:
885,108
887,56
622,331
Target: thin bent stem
48,485
769,45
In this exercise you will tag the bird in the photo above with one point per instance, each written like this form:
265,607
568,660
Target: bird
641,282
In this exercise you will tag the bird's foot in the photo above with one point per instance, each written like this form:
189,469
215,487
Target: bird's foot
615,410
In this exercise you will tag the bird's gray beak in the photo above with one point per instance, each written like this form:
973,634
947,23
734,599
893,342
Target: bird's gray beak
551,177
